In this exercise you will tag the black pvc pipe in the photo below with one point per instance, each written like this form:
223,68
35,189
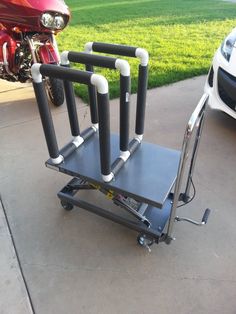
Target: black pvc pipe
46,119
92,98
114,49
95,60
104,133
71,147
141,99
117,165
71,107
92,60
124,112
108,62
86,134
142,79
133,146
67,150
119,162
65,73
103,112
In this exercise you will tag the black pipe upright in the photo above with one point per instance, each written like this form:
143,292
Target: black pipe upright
141,99
124,112
46,119
104,133
71,107
92,98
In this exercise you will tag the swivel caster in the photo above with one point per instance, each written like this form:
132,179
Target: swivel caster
66,206
145,241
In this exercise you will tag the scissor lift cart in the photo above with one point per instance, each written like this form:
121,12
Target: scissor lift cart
140,177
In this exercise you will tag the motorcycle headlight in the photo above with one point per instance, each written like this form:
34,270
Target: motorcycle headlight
228,45
47,20
53,21
59,22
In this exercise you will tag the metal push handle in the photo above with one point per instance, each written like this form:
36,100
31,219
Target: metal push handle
195,121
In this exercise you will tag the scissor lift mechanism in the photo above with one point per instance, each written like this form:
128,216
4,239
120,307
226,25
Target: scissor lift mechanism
142,178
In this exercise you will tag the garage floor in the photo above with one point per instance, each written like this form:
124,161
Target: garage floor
76,262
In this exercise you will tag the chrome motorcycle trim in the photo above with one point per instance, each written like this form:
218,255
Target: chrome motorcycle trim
32,49
5,62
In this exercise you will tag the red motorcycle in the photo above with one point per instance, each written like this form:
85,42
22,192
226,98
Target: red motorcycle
27,36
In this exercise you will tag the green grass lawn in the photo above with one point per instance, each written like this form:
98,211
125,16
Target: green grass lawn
180,35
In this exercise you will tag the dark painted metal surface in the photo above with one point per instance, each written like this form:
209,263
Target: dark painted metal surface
148,176
157,218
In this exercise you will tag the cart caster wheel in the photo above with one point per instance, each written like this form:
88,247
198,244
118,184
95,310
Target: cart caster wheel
145,241
66,206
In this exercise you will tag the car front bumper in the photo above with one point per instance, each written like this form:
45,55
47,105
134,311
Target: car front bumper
221,86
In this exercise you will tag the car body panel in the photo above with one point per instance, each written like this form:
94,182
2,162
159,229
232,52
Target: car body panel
219,62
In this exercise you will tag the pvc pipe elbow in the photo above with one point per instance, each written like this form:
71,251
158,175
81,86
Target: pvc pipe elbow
88,47
108,178
58,160
35,71
123,66
143,55
100,82
64,58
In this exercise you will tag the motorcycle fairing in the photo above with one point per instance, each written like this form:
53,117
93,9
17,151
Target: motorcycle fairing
26,13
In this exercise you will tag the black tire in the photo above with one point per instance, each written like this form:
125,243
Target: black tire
67,206
55,91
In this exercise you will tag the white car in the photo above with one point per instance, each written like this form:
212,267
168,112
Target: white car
221,80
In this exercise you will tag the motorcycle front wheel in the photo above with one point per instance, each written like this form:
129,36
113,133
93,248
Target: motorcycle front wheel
55,91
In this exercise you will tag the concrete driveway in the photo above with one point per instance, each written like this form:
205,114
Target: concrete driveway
76,262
